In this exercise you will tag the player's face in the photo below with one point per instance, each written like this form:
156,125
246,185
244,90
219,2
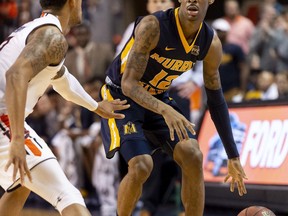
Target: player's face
157,5
195,9
76,13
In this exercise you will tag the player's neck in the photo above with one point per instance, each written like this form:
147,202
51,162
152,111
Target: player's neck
62,19
190,28
50,11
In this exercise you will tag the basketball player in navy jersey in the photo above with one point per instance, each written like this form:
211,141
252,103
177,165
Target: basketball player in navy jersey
162,46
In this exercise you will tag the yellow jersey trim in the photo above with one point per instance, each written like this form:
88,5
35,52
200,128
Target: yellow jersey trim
125,54
185,43
114,132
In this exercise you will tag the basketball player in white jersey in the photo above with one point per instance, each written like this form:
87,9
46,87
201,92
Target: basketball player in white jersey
31,59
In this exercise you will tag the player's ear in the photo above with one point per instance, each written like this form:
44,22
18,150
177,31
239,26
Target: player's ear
211,2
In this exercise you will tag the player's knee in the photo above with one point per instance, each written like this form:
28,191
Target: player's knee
140,167
187,154
68,198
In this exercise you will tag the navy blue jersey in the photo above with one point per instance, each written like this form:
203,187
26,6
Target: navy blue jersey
171,57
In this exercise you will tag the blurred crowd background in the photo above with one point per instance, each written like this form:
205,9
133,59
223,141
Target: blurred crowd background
254,34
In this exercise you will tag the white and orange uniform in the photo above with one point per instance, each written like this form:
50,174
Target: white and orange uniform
43,174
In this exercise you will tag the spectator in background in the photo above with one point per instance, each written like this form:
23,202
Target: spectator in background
85,5
241,27
37,119
281,80
87,58
8,17
263,41
281,25
45,118
92,86
63,144
24,12
265,89
35,9
274,3
233,70
51,117
285,14
106,21
105,173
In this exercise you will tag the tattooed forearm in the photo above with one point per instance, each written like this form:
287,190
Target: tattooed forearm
136,66
144,98
212,81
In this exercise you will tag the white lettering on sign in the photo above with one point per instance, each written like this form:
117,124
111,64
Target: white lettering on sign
266,144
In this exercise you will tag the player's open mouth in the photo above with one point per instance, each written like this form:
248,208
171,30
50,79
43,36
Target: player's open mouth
192,10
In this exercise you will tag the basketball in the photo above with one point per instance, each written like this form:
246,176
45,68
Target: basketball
256,211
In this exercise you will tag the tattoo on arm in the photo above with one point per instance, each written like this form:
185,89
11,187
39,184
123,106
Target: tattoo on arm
211,65
36,58
146,38
212,81
144,43
145,99
137,62
45,47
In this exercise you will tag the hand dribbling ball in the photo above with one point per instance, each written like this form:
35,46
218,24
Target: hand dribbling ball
256,211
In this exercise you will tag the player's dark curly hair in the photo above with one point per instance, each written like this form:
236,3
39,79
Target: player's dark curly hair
52,4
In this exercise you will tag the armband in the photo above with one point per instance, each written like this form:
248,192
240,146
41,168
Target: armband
219,113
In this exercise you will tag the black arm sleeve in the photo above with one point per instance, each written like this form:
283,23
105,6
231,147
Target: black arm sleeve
220,116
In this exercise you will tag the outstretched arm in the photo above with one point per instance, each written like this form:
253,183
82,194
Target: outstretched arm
69,88
219,113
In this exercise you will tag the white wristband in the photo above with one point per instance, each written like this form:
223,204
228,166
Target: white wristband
70,89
